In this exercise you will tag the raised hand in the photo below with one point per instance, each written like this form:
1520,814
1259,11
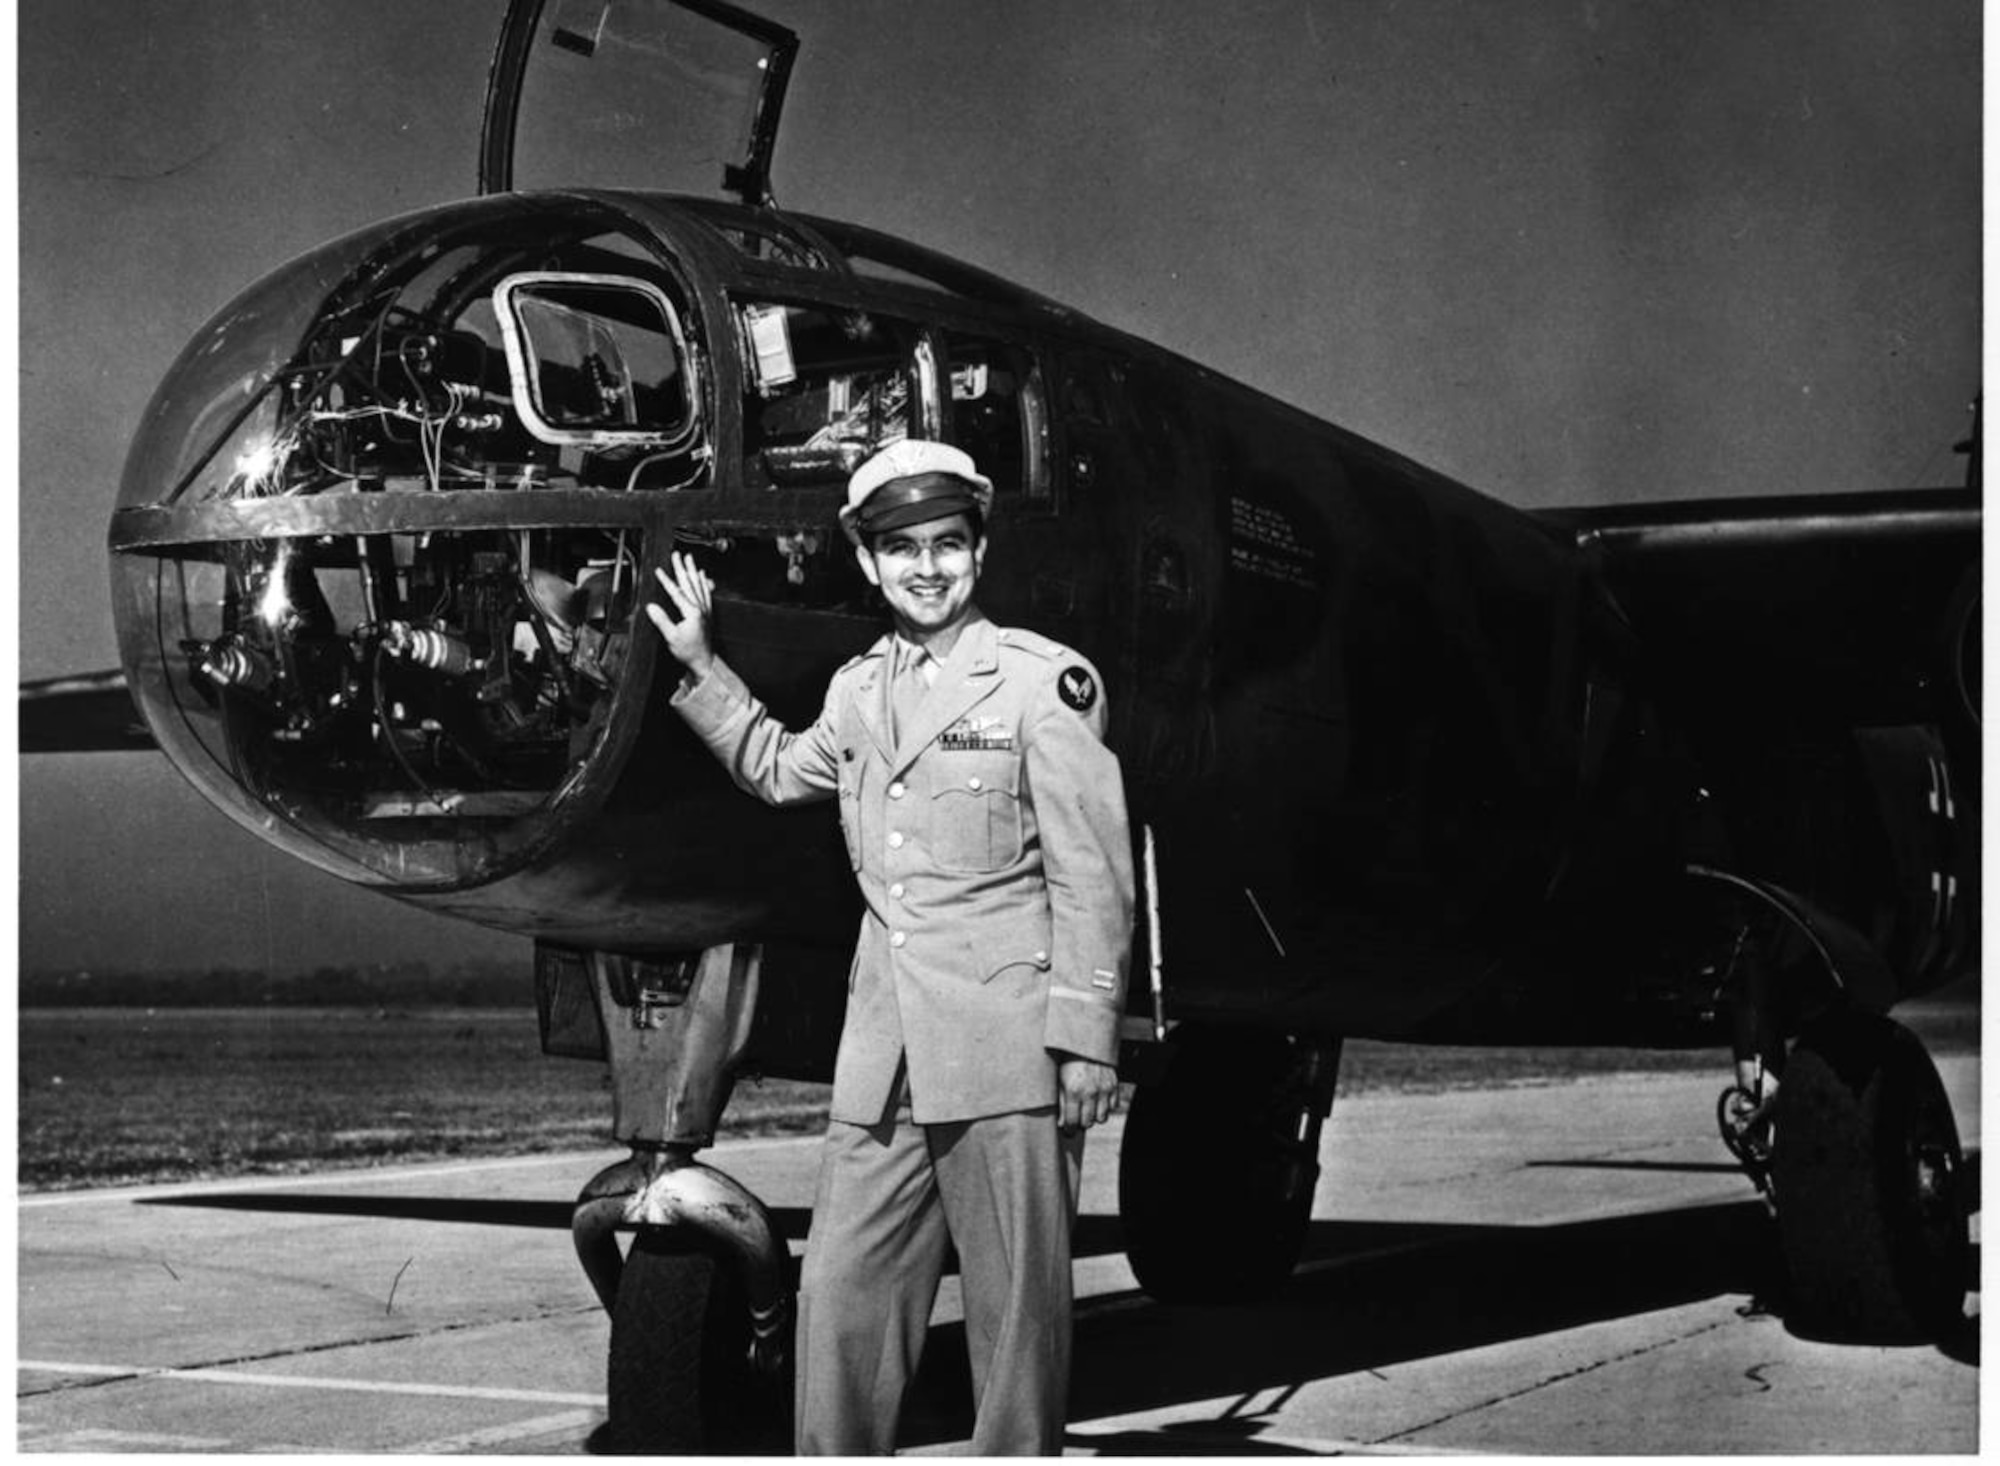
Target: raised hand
692,594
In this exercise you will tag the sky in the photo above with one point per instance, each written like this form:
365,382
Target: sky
1568,251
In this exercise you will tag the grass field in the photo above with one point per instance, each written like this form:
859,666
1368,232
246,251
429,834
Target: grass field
113,1095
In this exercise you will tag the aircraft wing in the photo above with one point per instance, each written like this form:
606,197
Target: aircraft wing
1818,661
1864,605
92,713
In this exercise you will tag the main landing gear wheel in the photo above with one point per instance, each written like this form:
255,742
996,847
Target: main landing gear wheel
1744,1122
1216,1174
1870,1185
681,1381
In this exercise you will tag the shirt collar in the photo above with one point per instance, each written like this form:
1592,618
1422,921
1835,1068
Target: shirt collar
906,653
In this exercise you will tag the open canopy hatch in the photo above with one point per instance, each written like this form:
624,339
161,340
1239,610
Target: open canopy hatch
653,94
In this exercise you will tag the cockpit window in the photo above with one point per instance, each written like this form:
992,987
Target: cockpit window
996,412
823,390
873,267
770,243
382,361
595,360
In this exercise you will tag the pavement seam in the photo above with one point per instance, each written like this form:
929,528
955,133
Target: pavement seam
562,1423
1608,1154
148,1371
1554,1379
130,1373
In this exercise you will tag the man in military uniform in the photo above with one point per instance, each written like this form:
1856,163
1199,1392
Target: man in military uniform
986,824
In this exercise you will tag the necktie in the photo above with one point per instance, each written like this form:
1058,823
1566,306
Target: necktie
908,690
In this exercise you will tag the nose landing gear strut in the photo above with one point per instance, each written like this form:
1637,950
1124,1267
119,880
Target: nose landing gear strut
701,1301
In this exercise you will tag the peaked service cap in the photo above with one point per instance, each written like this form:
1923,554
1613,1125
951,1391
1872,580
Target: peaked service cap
912,481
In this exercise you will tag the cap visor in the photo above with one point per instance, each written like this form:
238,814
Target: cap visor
917,511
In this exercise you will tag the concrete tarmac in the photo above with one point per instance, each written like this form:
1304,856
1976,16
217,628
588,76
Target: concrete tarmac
1556,1269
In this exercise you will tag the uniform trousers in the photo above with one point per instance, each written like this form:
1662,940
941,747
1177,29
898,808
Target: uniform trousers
892,1197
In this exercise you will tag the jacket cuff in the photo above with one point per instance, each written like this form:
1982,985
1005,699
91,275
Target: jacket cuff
1083,1024
709,698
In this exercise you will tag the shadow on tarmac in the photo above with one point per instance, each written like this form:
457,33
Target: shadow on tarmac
1381,1296
1094,1236
1371,1296
1391,1294
551,1216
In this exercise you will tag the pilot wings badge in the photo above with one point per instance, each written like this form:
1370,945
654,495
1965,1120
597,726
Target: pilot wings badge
970,734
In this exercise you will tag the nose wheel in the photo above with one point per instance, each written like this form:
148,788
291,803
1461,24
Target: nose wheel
685,1375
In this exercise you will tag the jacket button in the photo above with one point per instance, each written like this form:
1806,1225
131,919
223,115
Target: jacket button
896,790
973,783
896,939
1041,956
897,890
895,839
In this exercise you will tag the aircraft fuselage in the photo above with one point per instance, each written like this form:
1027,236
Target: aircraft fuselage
384,536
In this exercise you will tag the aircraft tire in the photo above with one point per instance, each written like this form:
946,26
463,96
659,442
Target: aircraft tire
1214,1185
680,1378
1870,1186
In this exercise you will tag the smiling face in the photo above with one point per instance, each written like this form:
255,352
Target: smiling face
927,573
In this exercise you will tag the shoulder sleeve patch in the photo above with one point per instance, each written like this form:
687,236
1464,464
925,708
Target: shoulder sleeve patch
1076,687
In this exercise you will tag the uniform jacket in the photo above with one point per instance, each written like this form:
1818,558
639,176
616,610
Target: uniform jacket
993,854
